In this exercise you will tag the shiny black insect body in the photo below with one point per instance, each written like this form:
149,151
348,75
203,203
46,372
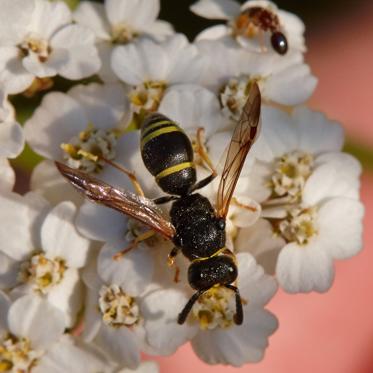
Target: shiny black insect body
196,228
264,20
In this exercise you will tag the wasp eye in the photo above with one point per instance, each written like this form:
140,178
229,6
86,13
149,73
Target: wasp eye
221,224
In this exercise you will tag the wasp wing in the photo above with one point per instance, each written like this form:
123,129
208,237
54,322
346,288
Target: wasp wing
243,137
133,205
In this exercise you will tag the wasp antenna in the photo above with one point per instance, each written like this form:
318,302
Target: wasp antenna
185,312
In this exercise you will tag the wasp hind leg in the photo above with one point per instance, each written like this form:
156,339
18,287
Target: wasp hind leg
129,173
200,149
142,237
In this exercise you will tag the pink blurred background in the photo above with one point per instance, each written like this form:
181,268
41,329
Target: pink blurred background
330,333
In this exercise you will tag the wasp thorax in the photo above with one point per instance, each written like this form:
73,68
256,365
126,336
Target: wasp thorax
87,150
290,175
299,226
118,308
147,96
33,44
215,308
41,272
17,355
123,34
234,95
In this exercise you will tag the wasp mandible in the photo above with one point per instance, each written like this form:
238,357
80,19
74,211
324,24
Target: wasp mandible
195,227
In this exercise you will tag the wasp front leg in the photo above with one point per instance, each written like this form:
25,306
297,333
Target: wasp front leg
134,243
171,261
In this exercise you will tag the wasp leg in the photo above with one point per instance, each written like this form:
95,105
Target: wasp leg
165,199
129,173
201,150
185,312
142,237
172,255
235,201
171,262
238,317
202,183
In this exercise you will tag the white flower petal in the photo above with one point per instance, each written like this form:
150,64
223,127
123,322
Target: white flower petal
93,15
60,238
100,223
241,216
135,12
317,133
12,139
192,107
160,309
121,344
106,73
260,242
36,319
67,296
185,65
9,269
15,235
340,227
301,269
291,86
239,344
159,29
14,77
47,181
255,286
216,9
92,315
72,356
104,105
55,121
36,67
278,135
58,14
144,367
337,175
133,272
143,61
213,32
14,20
78,43
4,309
8,176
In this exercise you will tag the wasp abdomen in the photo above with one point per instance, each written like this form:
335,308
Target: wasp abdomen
168,154
203,274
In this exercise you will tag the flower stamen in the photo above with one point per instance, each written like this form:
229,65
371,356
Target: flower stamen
118,308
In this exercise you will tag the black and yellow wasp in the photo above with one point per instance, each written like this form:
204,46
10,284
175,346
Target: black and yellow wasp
195,226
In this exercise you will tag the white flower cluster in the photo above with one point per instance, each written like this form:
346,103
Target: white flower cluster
69,301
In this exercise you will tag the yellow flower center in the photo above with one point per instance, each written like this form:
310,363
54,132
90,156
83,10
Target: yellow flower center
147,96
85,151
290,175
42,273
118,308
215,308
16,355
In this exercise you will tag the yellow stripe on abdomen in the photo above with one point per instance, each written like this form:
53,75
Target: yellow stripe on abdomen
155,125
173,169
159,132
